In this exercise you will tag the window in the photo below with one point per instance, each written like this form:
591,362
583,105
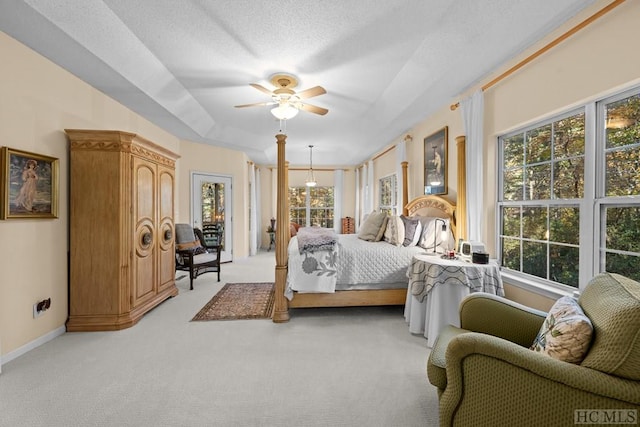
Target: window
388,195
313,203
553,174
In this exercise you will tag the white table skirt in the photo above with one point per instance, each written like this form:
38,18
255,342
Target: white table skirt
436,288
440,308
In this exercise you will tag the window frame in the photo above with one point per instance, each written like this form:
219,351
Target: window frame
592,242
392,208
308,208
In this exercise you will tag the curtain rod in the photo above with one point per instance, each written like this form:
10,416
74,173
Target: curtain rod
549,46
319,169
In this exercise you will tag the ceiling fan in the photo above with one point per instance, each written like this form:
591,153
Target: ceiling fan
288,101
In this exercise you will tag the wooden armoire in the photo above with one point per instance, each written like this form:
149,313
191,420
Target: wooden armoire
122,256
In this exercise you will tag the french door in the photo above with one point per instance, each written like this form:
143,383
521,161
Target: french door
211,203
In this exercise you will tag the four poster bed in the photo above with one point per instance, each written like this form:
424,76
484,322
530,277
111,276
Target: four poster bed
384,288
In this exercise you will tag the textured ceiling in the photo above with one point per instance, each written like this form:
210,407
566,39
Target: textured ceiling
386,65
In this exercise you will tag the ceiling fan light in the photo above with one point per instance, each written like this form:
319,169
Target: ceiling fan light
284,112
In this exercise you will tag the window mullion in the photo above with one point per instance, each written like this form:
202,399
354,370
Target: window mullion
589,236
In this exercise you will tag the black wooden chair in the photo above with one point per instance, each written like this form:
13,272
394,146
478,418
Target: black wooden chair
194,255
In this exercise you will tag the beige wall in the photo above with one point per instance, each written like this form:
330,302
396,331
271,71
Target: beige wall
39,100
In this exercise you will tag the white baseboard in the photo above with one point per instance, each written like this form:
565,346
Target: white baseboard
31,345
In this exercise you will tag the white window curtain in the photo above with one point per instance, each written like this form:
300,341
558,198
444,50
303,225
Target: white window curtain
253,222
473,117
338,190
357,211
401,156
365,192
258,209
370,199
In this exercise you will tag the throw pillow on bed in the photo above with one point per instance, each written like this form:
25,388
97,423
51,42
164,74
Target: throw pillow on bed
566,332
370,229
394,233
412,231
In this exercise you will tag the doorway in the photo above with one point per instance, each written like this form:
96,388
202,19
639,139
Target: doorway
211,203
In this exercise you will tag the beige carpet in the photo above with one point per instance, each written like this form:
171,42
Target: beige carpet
239,301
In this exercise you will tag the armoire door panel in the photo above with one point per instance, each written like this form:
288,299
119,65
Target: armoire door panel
166,248
145,233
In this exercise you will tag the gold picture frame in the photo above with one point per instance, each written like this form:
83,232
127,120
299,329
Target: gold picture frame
435,162
29,185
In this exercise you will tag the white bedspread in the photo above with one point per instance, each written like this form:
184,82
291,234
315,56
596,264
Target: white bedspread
358,264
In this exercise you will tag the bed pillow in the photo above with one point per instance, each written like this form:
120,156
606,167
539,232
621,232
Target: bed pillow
429,233
412,231
383,228
566,332
394,233
371,227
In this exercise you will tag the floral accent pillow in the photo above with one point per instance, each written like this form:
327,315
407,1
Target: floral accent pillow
566,332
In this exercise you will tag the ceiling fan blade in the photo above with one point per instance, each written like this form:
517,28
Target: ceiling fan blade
261,88
257,104
314,109
311,92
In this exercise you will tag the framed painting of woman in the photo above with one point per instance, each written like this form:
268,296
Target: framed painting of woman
435,163
29,185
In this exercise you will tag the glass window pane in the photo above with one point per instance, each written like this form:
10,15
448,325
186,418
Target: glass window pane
513,151
568,178
534,223
511,253
563,264
538,182
511,221
623,229
534,259
568,137
623,172
622,120
512,185
626,265
564,225
539,144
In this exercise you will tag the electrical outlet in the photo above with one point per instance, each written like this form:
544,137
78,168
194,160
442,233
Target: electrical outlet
36,312
40,307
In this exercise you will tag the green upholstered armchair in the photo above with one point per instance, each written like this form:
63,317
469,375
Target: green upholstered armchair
486,374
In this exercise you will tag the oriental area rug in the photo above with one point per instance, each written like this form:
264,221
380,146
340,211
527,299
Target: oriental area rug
239,301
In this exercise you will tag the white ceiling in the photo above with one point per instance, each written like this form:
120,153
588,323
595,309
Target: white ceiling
386,65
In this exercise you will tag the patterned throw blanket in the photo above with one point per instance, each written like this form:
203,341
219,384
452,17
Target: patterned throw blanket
312,264
313,239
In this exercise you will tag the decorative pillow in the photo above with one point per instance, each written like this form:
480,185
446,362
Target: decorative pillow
566,332
195,245
383,228
412,231
372,225
394,233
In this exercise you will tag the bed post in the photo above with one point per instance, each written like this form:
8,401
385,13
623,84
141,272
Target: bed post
281,305
405,188
461,203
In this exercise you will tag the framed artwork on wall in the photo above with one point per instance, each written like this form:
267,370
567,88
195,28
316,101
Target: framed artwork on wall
435,162
29,185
